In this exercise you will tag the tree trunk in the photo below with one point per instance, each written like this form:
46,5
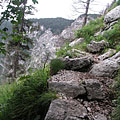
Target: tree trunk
86,13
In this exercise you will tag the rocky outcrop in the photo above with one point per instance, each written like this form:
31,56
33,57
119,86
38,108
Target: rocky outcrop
113,15
76,84
79,97
76,42
68,33
66,110
79,64
106,55
95,47
108,67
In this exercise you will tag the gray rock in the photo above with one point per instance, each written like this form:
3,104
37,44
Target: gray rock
95,47
81,64
99,116
66,110
106,55
78,53
68,84
77,41
113,15
106,68
94,89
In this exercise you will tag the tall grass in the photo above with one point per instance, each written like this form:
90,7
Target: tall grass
28,100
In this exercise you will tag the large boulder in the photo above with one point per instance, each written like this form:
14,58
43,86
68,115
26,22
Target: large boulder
68,83
106,68
81,64
113,15
66,110
95,47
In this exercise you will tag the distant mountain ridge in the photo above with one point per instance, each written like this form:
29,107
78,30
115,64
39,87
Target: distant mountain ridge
57,25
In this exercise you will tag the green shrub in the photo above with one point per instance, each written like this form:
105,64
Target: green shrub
31,98
81,46
113,35
90,29
118,2
116,112
63,51
6,92
55,66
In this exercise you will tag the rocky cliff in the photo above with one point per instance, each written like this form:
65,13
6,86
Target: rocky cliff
83,86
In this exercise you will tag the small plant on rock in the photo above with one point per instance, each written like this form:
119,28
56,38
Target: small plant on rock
56,65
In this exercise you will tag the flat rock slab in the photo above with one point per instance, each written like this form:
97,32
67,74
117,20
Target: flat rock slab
76,84
66,110
68,83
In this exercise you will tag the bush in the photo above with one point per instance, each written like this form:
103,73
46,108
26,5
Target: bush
118,2
6,92
90,29
113,35
63,51
55,66
31,98
116,112
81,46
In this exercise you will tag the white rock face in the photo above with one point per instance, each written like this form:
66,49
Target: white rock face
43,50
113,15
69,32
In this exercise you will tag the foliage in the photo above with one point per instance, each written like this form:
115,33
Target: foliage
90,29
6,92
113,35
15,43
63,51
56,65
30,99
116,112
118,2
81,46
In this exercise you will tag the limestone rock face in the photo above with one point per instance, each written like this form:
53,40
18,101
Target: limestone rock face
66,110
113,15
69,32
95,47
78,64
43,50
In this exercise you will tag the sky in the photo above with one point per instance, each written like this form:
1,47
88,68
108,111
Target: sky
63,8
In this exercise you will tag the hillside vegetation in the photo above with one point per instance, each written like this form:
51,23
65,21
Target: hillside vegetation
29,98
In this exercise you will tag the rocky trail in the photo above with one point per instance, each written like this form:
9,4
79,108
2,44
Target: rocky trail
85,86
82,95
